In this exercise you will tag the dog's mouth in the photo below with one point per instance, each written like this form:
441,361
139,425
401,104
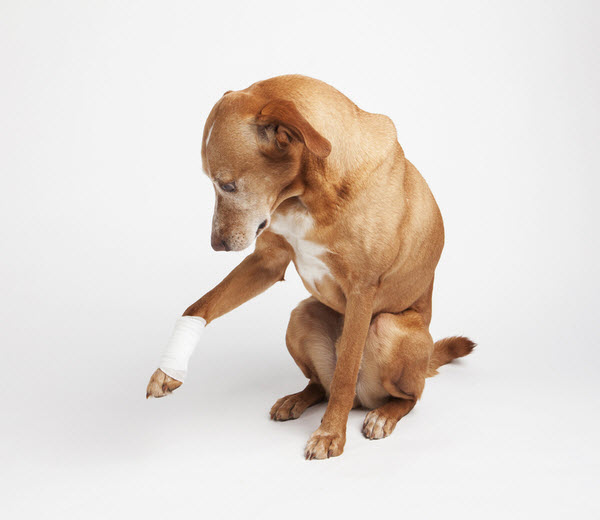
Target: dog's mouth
262,226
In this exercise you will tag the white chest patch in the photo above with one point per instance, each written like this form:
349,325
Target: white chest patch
294,226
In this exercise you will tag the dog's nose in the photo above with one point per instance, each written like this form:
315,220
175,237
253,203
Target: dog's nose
219,244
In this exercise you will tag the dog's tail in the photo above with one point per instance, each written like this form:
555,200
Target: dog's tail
447,349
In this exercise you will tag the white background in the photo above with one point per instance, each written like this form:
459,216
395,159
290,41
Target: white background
105,224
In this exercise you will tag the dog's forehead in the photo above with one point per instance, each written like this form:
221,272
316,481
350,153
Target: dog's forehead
230,147
230,144
230,140
232,111
227,130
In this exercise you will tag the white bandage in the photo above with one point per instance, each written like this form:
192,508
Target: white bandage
186,336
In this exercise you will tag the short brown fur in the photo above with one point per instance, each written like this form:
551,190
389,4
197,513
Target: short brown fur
296,148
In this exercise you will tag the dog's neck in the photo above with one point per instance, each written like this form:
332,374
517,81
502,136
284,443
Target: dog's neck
324,188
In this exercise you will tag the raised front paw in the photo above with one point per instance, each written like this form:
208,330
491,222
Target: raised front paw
161,384
323,445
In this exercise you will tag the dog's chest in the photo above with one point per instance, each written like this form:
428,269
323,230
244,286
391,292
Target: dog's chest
294,226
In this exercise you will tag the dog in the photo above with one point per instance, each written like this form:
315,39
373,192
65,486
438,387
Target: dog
314,180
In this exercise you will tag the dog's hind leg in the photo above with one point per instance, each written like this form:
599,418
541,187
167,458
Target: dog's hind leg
401,346
293,406
311,336
380,423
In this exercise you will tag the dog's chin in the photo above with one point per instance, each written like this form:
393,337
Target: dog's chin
241,247
251,241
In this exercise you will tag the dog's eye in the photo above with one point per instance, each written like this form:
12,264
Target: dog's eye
229,187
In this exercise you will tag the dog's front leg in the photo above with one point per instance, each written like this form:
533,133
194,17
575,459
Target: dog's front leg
328,440
257,272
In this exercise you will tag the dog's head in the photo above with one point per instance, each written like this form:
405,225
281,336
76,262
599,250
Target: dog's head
252,151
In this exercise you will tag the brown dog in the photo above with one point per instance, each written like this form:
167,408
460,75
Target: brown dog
326,185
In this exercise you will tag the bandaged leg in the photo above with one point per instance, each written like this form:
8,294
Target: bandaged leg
186,336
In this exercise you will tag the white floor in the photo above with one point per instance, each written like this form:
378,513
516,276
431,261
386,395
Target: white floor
483,442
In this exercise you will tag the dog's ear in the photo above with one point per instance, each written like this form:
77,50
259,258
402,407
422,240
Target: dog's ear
279,123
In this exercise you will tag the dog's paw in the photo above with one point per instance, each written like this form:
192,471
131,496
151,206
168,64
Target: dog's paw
288,407
323,445
161,384
378,425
